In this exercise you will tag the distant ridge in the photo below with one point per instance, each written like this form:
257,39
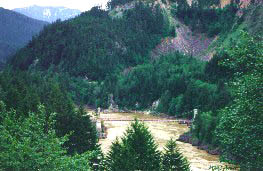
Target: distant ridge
15,31
49,14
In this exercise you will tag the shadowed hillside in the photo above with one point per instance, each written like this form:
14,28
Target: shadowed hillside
93,44
16,31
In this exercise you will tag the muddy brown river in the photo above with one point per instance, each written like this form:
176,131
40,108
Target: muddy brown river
162,131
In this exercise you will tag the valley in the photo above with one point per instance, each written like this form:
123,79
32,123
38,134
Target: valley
170,58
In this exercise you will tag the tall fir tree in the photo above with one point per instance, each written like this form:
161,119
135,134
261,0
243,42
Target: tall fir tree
172,159
137,150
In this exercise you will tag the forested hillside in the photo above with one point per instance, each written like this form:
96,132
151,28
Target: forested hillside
16,31
116,59
108,53
94,45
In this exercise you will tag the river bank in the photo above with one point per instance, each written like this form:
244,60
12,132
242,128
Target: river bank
162,131
188,138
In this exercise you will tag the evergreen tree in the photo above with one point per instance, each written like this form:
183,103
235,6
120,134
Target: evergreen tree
172,159
83,132
32,144
114,159
24,91
136,151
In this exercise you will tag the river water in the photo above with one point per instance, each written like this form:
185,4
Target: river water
199,160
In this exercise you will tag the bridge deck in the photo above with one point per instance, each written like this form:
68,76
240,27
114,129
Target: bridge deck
147,120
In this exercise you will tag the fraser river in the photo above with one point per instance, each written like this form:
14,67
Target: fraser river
162,131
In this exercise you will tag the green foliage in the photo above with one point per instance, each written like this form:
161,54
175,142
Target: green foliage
215,72
201,95
204,127
245,56
172,159
176,104
94,45
240,128
114,158
165,101
177,80
202,17
32,144
136,150
137,86
79,89
237,127
83,137
148,82
84,91
24,91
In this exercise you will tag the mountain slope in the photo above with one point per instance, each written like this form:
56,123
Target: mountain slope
15,31
94,45
49,14
183,38
199,30
113,54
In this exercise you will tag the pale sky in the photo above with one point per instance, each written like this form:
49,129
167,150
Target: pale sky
82,5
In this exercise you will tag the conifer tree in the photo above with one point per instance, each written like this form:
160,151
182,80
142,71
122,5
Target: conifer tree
137,150
83,132
172,159
114,159
32,144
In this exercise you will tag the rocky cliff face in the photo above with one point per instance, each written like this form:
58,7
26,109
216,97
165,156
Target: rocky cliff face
223,3
197,44
186,42
244,3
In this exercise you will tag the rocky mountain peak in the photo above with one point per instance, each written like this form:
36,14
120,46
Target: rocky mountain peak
49,14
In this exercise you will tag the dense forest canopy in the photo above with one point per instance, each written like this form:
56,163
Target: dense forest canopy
102,49
94,45
202,18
